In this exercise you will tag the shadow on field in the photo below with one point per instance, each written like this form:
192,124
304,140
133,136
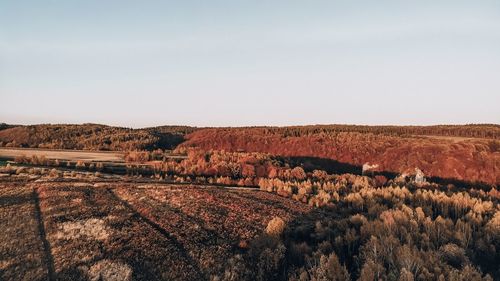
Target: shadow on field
6,201
163,232
48,258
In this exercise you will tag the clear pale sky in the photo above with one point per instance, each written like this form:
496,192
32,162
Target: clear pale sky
220,63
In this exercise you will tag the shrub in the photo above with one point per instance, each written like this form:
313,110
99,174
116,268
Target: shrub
99,166
20,170
275,227
298,173
54,173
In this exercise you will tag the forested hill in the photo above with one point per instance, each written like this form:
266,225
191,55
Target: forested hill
465,159
93,137
463,152
485,131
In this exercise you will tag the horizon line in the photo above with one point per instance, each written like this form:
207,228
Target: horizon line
252,126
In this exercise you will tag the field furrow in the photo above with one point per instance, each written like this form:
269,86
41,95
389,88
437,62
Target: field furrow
92,235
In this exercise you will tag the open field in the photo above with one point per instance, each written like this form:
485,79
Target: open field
80,231
67,155
113,158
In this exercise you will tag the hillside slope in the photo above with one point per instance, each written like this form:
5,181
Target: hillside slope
472,160
91,137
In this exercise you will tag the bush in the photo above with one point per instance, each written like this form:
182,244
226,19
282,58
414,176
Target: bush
275,227
54,173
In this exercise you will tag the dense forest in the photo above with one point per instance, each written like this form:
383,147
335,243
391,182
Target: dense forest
491,131
402,230
474,160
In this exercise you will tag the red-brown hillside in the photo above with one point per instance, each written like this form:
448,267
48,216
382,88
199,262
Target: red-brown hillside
472,160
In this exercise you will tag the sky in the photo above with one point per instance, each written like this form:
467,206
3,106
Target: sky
240,63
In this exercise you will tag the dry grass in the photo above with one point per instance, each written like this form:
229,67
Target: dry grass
118,231
90,228
107,270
